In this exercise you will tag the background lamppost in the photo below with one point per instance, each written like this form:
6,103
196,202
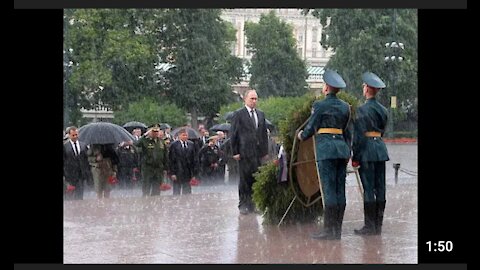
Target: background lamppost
394,55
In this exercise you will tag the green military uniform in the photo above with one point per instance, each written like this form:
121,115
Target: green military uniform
329,123
370,152
154,160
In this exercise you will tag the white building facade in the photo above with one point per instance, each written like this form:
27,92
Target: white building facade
307,31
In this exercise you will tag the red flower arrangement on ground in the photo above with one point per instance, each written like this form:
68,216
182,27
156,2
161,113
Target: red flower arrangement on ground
194,182
70,188
165,186
112,180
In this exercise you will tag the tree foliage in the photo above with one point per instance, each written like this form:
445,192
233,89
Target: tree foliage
110,57
276,68
150,112
203,69
358,38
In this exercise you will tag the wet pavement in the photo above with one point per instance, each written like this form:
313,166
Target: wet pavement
205,227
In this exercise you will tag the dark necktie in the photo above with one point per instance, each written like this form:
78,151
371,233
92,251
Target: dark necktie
75,147
253,118
184,145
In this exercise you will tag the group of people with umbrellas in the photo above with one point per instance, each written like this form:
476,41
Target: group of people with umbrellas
104,159
90,155
103,155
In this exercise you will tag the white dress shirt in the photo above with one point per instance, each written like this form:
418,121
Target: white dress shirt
254,115
76,147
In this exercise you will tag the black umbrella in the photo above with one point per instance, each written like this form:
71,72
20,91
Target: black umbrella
164,126
229,115
221,127
192,133
103,133
130,126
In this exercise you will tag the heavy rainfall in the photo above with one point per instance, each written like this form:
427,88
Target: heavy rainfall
154,137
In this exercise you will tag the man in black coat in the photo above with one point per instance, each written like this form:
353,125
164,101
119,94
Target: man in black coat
209,160
76,169
183,163
250,145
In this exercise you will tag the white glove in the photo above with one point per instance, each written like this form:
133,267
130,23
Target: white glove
299,135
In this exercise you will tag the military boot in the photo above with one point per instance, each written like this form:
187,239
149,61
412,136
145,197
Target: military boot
339,221
379,216
329,220
369,209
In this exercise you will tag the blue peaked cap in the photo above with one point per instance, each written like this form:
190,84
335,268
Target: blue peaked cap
371,79
333,79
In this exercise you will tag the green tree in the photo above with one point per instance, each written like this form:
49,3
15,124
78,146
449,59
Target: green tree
110,55
278,108
150,112
276,68
358,38
203,72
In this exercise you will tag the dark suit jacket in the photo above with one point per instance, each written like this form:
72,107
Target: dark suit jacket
246,140
183,163
75,168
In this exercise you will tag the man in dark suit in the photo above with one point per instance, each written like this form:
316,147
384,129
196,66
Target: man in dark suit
249,141
370,153
183,163
75,165
329,123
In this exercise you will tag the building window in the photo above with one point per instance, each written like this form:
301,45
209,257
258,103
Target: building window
300,37
314,52
300,50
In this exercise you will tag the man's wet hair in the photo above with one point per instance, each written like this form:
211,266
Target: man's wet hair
70,129
182,130
247,92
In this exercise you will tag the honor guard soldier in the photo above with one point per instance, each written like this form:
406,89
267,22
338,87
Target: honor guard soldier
370,153
329,123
